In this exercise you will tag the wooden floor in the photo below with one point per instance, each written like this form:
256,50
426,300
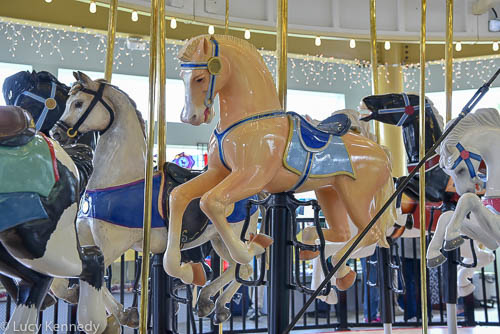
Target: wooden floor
432,330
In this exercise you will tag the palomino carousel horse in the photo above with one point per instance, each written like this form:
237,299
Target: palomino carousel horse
473,140
258,147
112,207
37,224
402,110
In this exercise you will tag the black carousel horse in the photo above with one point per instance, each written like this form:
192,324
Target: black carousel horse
402,110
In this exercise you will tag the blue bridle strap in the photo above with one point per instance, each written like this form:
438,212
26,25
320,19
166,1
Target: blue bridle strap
220,136
209,97
43,115
466,156
408,110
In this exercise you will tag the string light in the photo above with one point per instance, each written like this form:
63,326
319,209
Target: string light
173,23
48,1
211,29
135,16
247,34
495,46
317,41
352,43
93,7
387,45
458,47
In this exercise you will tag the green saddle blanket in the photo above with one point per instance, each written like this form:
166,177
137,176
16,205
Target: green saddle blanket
27,168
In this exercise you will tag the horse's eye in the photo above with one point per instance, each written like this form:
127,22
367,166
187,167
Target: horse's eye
78,104
200,79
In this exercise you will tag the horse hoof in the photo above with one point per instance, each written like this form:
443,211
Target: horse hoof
466,290
347,281
305,255
199,277
113,326
436,261
222,316
130,318
452,244
262,241
205,307
48,301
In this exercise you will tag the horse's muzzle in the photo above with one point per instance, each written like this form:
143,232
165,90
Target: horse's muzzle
59,133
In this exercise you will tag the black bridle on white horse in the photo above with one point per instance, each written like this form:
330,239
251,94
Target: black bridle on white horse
72,131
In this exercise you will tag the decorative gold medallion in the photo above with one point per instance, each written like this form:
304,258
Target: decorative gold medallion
214,65
50,103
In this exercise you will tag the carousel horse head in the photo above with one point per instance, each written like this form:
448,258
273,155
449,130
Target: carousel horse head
40,93
87,110
203,73
460,152
395,109
218,64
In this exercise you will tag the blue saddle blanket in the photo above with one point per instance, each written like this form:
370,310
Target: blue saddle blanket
311,152
19,208
124,205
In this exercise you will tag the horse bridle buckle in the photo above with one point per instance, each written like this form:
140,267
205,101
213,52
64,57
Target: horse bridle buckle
71,133
214,65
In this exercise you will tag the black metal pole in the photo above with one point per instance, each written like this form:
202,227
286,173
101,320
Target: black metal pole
468,107
384,278
163,304
342,311
279,273
451,291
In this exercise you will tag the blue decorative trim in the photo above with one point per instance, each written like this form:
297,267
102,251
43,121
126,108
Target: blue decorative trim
220,136
467,161
305,174
19,208
43,114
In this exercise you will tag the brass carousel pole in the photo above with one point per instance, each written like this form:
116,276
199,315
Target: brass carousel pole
162,77
110,48
148,191
373,56
282,51
226,22
450,269
423,268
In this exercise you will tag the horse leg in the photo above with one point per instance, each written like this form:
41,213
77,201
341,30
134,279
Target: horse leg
486,220
29,294
235,187
434,256
484,257
180,197
336,217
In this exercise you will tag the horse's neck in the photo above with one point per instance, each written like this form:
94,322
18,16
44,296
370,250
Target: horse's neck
119,154
486,141
411,137
247,92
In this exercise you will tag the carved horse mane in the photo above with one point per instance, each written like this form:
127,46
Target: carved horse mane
481,117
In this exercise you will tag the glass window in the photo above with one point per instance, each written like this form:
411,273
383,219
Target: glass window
318,105
138,88
8,69
461,97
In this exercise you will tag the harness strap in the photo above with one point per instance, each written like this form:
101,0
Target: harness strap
49,103
220,136
466,156
213,65
73,131
408,110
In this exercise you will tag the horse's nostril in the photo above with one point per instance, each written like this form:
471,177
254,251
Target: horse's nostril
192,118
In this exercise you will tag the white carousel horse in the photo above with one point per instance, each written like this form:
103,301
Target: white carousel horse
482,6
474,139
112,210
39,196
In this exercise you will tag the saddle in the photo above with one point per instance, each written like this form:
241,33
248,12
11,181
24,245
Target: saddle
17,127
178,173
337,125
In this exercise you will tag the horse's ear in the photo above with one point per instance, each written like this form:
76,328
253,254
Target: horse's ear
206,45
82,77
33,75
75,75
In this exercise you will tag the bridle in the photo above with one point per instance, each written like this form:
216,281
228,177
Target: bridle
72,131
408,110
49,103
466,156
213,65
